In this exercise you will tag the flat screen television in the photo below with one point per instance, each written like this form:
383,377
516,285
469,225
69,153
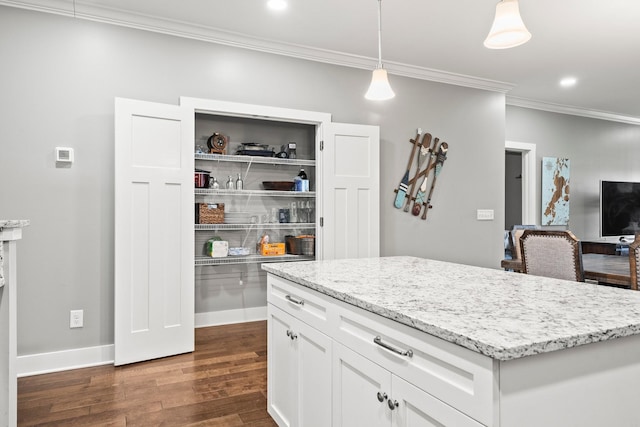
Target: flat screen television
619,208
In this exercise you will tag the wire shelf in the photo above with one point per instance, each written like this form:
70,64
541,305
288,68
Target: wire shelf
259,193
261,226
255,159
250,259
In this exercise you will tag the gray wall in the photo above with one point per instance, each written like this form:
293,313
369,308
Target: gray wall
598,149
58,82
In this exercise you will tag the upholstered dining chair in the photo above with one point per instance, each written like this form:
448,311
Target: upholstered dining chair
634,262
556,254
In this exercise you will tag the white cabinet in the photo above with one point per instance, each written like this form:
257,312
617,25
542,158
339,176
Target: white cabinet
364,393
299,361
361,389
376,371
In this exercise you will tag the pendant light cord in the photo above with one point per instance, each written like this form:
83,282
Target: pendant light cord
379,33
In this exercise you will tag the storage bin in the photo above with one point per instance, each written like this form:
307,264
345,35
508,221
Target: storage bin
302,245
209,213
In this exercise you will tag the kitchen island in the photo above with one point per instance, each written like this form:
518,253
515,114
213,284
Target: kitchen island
397,339
10,232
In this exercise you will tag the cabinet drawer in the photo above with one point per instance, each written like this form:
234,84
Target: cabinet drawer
304,304
459,377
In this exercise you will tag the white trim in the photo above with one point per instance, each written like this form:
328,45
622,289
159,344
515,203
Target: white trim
571,110
44,363
227,317
529,202
65,360
82,10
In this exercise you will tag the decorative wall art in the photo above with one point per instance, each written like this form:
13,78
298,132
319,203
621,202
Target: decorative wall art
555,191
431,156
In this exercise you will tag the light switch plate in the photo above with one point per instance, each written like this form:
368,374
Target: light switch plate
484,215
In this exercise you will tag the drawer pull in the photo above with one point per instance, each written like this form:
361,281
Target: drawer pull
294,300
378,340
291,334
393,404
382,396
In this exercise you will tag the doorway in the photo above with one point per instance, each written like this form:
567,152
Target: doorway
528,206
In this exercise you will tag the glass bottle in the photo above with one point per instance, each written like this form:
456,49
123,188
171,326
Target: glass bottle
239,183
229,185
302,174
214,184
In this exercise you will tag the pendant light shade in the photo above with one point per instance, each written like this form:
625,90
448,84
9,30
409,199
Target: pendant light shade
507,30
379,89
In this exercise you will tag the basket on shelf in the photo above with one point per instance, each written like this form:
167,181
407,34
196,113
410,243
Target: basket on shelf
209,213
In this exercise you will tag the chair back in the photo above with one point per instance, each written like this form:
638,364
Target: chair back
554,254
634,262
516,233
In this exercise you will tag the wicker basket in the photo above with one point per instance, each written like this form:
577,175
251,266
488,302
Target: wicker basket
209,213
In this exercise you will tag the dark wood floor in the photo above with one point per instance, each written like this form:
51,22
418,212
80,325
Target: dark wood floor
223,383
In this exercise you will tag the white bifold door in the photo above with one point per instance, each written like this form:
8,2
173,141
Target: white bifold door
351,191
154,273
154,213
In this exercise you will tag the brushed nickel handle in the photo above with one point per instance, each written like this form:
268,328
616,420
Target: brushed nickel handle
393,404
294,300
378,340
382,397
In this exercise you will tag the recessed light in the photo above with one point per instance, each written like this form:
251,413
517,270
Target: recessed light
277,4
568,82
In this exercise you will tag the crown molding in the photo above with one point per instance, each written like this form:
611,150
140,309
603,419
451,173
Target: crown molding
81,10
574,111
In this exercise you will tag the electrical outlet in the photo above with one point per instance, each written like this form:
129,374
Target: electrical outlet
76,318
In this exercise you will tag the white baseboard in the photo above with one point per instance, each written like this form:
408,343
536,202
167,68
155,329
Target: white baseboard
44,363
227,317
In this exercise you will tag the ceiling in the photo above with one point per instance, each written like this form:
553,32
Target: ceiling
595,41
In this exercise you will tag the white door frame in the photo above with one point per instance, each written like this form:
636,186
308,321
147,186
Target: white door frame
529,205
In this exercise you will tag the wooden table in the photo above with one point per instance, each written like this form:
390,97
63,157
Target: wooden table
609,269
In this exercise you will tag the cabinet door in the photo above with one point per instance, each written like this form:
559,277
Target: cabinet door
417,408
360,390
299,359
314,376
282,367
154,296
350,200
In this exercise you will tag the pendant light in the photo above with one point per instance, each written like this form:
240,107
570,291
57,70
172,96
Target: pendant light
507,30
379,90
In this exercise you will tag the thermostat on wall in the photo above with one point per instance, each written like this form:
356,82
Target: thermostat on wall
64,154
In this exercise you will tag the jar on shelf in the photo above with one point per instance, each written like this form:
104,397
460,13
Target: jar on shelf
213,183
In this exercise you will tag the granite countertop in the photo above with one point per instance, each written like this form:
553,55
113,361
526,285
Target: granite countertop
499,314
13,223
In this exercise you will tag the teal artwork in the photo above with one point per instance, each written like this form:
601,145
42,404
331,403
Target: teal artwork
555,191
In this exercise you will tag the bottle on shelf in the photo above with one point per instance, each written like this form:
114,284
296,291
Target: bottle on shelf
239,183
213,183
229,185
301,182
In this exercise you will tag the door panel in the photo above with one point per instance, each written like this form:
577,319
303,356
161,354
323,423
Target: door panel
351,191
417,408
282,368
314,377
356,384
154,296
